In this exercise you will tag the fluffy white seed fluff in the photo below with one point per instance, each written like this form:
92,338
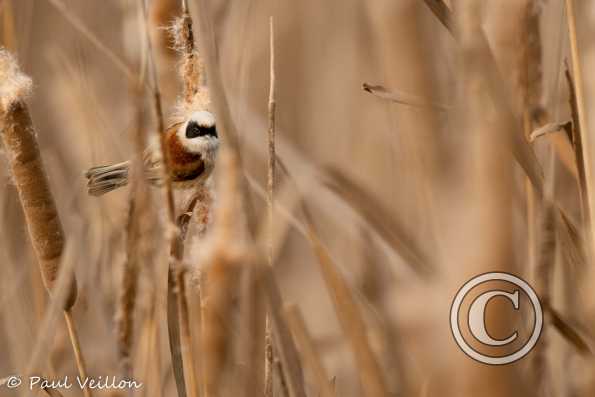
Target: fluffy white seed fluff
14,85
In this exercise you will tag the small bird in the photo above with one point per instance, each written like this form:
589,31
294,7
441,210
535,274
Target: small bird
192,148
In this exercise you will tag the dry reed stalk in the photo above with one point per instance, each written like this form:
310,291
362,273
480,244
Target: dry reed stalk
541,223
490,167
28,172
181,346
137,251
310,356
543,270
352,323
269,353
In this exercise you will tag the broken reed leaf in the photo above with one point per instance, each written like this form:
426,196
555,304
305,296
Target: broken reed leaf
402,97
551,128
379,217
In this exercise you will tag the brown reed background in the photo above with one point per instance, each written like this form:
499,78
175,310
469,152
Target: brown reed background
406,202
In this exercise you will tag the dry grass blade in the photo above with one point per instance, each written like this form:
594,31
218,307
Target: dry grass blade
379,218
352,323
311,357
402,97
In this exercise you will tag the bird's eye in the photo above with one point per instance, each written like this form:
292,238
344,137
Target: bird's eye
193,130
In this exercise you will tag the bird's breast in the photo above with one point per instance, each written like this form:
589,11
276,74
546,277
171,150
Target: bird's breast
185,166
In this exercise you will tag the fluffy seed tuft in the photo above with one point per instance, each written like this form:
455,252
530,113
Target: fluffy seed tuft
14,85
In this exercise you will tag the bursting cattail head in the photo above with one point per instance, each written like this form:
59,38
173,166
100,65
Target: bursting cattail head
14,85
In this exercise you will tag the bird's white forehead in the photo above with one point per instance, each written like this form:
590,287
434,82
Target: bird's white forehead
203,118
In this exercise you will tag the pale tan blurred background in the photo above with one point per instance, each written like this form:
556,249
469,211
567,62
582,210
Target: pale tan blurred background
412,160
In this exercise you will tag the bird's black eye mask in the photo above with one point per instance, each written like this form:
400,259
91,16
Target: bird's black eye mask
193,130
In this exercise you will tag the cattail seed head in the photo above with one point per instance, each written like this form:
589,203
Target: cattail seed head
18,137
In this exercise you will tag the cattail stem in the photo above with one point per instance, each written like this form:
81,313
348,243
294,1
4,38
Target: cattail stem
76,346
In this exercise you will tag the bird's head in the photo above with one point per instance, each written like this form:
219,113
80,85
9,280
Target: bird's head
198,134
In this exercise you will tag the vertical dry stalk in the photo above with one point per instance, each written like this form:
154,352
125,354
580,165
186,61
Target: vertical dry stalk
43,222
540,214
127,294
139,222
176,273
269,353
296,322
579,99
491,163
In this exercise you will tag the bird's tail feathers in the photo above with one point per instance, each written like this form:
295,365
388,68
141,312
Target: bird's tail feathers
105,178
